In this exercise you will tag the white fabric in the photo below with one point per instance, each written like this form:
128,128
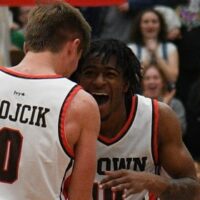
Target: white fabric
194,6
134,147
43,161
145,55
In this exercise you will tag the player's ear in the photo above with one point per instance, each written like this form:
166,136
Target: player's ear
25,48
126,86
73,48
76,46
76,42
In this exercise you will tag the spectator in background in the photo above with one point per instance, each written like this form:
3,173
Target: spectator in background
23,16
155,86
150,43
117,23
16,36
136,6
19,21
169,14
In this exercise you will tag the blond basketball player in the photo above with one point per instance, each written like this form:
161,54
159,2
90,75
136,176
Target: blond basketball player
48,124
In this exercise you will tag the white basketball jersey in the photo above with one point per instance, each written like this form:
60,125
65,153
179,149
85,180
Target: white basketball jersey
133,148
35,158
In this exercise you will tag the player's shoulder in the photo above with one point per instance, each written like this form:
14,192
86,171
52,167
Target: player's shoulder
168,120
165,110
85,98
169,127
84,102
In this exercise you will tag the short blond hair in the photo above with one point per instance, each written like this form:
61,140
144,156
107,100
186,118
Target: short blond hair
51,25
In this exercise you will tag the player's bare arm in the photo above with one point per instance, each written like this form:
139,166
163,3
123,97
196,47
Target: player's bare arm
175,159
83,122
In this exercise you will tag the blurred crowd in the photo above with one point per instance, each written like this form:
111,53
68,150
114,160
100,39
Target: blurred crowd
163,34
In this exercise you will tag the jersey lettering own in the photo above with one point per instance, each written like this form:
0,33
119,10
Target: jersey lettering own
35,158
133,148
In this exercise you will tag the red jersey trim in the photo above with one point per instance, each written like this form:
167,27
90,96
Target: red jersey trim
109,141
65,106
152,196
155,154
28,76
66,187
155,131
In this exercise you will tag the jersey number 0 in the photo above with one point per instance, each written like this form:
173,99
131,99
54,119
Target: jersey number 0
10,152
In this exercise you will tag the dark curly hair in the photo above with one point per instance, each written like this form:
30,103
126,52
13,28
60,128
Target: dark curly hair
126,61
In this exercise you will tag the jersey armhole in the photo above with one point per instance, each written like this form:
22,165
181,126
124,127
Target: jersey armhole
154,142
63,140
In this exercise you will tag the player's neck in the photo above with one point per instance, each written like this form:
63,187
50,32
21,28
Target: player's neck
38,63
113,125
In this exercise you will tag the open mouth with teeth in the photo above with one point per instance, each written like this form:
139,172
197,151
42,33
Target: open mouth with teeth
101,98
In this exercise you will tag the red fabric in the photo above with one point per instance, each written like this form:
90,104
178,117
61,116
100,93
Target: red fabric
16,2
95,2
73,2
155,132
152,196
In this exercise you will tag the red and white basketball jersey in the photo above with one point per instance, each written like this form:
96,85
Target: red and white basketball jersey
133,148
35,158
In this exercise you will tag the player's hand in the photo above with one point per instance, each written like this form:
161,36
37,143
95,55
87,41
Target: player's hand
124,180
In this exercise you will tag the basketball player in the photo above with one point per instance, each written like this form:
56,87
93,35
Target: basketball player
138,135
46,120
